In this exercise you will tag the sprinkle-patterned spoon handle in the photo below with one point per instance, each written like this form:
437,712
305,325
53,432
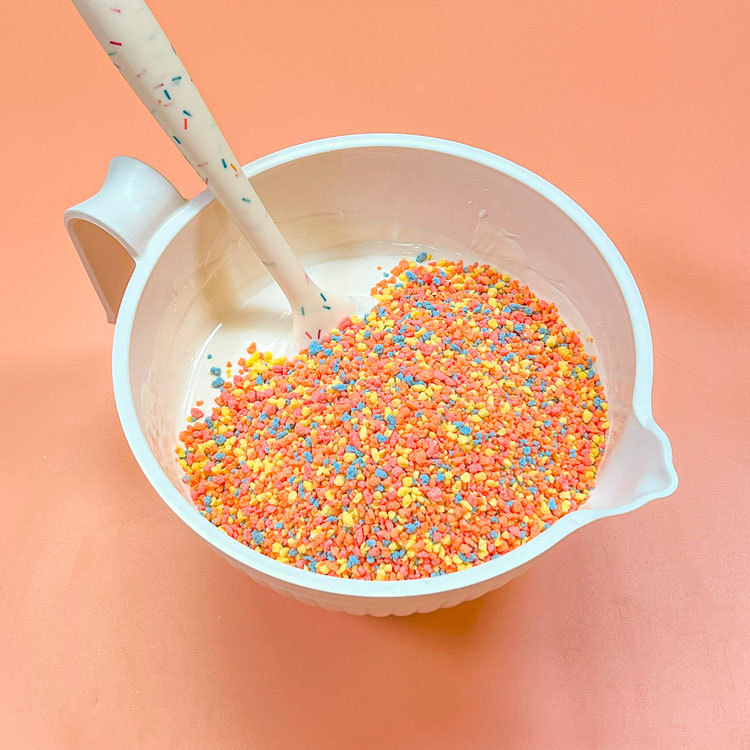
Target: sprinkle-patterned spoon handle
139,48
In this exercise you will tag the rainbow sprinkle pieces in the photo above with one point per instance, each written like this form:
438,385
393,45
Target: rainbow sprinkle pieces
454,423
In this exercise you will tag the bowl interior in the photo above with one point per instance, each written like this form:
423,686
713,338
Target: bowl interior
345,212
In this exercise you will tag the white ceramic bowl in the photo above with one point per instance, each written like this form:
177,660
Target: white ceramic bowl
189,275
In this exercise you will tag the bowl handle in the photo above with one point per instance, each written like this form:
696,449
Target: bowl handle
111,229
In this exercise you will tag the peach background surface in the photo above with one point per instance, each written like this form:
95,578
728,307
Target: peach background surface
119,628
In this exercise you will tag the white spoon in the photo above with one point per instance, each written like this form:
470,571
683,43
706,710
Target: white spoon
139,48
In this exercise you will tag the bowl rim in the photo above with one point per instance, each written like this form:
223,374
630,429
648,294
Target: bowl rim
267,567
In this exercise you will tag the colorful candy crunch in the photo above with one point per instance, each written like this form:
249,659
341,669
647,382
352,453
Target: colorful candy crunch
453,424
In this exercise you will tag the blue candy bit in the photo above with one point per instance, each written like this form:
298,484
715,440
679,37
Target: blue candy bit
421,258
380,473
352,561
351,473
314,348
552,504
215,370
220,440
258,537
217,383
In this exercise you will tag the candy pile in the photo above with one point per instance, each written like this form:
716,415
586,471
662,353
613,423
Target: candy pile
454,423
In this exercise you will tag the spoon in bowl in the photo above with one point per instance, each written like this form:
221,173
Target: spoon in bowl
139,48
